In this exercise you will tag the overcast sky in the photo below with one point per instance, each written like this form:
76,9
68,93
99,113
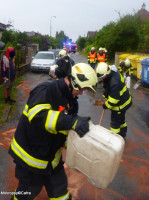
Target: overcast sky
74,17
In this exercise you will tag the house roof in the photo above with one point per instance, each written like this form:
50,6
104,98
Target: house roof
143,13
91,33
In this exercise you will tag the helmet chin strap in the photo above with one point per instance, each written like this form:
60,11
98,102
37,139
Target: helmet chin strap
71,78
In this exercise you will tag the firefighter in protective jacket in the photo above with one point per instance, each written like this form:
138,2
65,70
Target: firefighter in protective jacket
42,131
101,56
92,57
125,68
118,98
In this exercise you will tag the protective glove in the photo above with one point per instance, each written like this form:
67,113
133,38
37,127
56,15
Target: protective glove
104,106
81,125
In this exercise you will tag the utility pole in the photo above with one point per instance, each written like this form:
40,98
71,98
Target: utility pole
50,24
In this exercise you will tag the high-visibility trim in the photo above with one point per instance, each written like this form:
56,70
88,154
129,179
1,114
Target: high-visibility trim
25,111
74,125
123,125
63,132
122,78
64,197
65,144
115,130
123,90
28,159
51,121
56,160
126,103
111,107
14,197
36,109
112,100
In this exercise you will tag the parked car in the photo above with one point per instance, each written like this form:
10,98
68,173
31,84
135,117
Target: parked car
42,61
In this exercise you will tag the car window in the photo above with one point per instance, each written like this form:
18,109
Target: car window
44,56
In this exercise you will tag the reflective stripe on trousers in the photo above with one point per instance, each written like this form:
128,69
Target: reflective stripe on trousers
64,197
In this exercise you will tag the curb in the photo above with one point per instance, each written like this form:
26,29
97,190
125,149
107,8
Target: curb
6,114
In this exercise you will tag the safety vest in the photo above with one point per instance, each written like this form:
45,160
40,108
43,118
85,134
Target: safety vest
116,93
92,57
101,58
37,143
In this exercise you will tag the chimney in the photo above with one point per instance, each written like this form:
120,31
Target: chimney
143,6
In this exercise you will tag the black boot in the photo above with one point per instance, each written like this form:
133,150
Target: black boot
11,100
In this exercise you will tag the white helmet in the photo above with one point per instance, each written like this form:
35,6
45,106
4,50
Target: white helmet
62,53
127,62
104,49
100,49
82,76
102,70
93,48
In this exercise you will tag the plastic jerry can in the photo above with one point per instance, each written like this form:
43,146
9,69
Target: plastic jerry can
97,155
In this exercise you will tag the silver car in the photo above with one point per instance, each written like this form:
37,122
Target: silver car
42,61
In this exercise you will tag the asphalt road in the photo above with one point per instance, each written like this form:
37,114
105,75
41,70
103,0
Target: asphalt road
132,179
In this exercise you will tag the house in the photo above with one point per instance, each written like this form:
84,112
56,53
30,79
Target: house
91,34
44,39
143,13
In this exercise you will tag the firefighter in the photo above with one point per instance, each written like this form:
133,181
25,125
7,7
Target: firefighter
64,69
42,131
118,98
64,65
125,67
92,57
101,56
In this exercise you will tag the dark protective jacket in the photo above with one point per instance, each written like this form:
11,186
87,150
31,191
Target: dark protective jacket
125,69
41,131
64,68
117,95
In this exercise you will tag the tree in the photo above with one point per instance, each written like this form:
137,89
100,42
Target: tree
81,42
38,40
61,37
22,38
8,36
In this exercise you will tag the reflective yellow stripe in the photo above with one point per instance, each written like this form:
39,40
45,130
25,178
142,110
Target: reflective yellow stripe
112,100
36,109
111,107
115,130
123,90
63,132
51,121
28,159
122,78
64,197
126,103
14,197
65,144
56,160
25,111
123,125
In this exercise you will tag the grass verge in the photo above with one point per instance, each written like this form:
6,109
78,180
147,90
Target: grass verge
3,105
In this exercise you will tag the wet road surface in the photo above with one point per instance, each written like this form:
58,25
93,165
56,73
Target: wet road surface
132,179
